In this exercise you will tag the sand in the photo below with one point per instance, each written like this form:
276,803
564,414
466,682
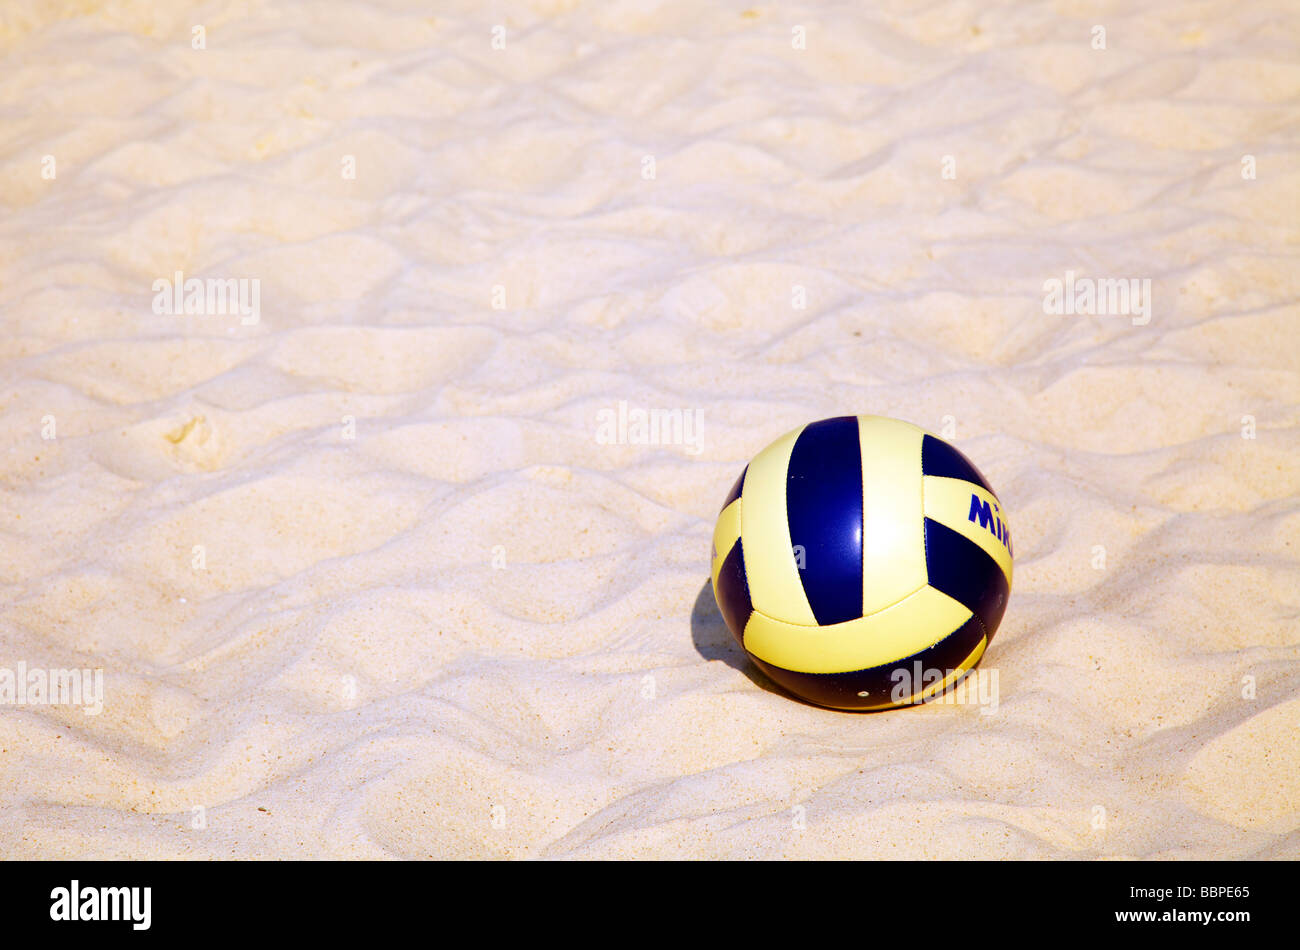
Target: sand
373,570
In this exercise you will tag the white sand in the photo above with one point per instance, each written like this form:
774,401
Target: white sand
351,675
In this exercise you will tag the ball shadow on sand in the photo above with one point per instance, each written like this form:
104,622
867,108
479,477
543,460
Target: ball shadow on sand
714,641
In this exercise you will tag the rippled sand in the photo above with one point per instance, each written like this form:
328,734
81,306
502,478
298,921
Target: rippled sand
366,580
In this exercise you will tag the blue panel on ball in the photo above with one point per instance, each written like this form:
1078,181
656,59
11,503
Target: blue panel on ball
892,683
732,592
964,571
735,490
823,499
941,459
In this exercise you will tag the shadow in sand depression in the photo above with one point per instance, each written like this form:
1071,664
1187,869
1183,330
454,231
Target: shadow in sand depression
714,641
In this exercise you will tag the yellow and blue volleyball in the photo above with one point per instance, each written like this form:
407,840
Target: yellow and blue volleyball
862,562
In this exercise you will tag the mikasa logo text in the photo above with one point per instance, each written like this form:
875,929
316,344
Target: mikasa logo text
990,518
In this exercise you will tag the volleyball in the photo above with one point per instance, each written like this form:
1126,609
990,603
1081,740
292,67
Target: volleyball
862,563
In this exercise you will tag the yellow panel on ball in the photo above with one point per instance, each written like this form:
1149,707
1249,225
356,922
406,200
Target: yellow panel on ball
893,545
895,633
770,560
